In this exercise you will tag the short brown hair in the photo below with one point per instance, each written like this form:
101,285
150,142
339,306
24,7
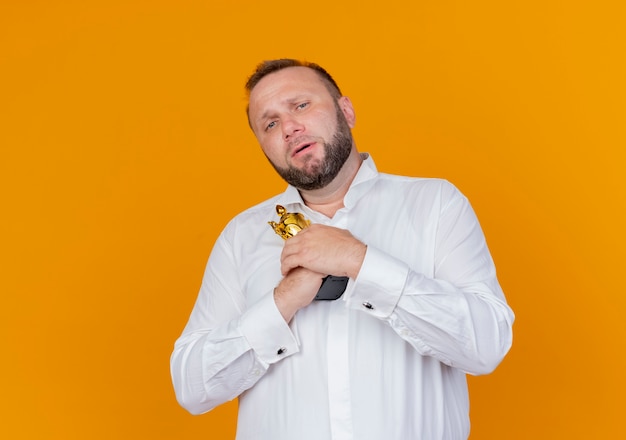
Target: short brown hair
271,66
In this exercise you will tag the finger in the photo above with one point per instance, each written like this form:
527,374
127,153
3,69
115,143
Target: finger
289,249
287,264
288,257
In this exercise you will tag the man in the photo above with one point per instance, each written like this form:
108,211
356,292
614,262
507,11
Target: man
422,306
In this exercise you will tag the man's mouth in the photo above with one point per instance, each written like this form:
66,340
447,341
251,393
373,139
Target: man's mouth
301,148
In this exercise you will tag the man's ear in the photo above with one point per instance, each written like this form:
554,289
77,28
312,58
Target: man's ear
348,110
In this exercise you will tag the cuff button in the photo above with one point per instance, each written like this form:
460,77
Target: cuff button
281,350
368,305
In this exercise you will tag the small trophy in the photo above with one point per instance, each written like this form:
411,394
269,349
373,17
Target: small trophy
290,224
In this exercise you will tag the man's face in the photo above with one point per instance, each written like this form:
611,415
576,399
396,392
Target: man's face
302,129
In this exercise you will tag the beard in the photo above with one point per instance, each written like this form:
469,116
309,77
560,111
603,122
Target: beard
318,174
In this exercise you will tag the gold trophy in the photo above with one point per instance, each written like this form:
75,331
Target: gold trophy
290,224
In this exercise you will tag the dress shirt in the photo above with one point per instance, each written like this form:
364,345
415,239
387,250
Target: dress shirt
385,361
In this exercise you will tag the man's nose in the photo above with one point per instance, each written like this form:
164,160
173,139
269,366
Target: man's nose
291,126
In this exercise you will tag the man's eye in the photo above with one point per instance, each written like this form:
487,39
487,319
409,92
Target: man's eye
301,106
270,125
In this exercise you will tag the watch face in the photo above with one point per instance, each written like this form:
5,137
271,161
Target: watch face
332,288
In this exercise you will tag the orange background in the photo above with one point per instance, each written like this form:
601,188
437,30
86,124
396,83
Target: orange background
125,150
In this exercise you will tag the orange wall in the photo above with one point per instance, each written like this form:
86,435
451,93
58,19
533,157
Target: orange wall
124,151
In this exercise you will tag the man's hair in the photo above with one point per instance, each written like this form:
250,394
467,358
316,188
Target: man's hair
271,66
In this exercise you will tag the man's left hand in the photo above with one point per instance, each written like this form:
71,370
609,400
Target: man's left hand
324,249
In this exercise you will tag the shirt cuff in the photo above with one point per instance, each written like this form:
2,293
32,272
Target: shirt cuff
267,332
379,284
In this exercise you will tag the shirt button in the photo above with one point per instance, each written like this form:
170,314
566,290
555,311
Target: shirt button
368,305
281,350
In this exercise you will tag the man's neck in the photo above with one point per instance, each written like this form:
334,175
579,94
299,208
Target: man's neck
329,200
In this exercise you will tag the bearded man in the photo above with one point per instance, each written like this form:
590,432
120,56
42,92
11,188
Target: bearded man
419,305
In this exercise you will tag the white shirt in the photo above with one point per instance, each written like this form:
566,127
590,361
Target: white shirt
385,361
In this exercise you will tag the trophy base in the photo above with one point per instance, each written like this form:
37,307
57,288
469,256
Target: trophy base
332,288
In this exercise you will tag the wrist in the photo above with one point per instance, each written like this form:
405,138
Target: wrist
359,257
284,306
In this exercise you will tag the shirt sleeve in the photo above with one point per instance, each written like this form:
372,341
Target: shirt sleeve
226,346
460,315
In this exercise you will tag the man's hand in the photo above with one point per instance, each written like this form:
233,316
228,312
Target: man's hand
296,290
324,249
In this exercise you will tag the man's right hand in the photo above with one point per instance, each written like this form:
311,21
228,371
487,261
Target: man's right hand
296,290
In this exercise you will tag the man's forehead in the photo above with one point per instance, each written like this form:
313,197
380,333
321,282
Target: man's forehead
292,72
285,86
288,79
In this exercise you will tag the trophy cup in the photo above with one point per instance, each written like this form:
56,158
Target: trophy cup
290,224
